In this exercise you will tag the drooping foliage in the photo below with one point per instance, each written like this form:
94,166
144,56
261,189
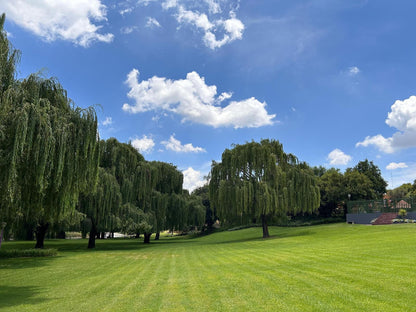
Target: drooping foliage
48,147
102,205
165,182
147,188
260,180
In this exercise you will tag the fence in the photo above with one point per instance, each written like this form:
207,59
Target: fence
382,205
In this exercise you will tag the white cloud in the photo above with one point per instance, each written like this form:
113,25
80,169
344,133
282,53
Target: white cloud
217,30
403,118
143,145
353,71
214,6
66,20
338,157
128,30
225,96
383,144
125,11
394,166
152,23
194,101
192,179
176,146
108,121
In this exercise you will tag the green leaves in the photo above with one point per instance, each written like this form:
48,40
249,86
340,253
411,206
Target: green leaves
259,179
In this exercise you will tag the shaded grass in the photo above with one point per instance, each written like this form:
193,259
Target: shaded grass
335,267
24,253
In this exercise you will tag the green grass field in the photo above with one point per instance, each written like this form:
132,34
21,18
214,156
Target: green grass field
336,267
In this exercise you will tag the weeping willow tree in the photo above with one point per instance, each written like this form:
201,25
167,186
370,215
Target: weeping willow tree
160,182
8,60
102,205
49,150
260,180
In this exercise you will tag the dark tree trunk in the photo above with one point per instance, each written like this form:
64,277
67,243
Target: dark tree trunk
61,235
2,231
157,236
147,238
41,230
265,227
102,235
112,234
97,234
93,234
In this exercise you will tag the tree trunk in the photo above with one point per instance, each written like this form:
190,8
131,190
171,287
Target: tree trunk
93,233
112,234
147,238
3,225
61,235
102,235
157,236
41,230
265,227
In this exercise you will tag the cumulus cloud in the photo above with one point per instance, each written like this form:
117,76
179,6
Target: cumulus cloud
207,17
338,157
194,101
67,20
192,179
394,166
232,27
176,146
152,23
402,117
108,121
143,145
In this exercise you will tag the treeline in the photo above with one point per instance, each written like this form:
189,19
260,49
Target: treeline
362,182
55,172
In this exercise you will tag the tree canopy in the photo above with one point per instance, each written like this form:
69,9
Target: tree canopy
260,180
48,147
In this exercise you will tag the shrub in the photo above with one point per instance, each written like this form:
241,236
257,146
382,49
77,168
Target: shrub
27,253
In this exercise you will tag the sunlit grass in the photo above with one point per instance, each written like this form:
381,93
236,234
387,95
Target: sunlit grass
335,267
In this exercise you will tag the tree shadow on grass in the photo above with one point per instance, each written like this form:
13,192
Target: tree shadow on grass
15,295
23,263
274,236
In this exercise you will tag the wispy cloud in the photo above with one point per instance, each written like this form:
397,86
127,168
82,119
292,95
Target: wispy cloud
152,23
108,121
394,166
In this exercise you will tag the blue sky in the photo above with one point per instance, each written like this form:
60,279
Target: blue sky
332,80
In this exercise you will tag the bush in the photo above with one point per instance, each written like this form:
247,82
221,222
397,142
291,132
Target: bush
28,253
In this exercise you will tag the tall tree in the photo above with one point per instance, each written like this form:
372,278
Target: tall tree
101,205
203,193
9,57
332,185
374,174
261,180
358,186
49,148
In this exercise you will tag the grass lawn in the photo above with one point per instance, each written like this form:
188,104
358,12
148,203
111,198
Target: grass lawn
336,267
